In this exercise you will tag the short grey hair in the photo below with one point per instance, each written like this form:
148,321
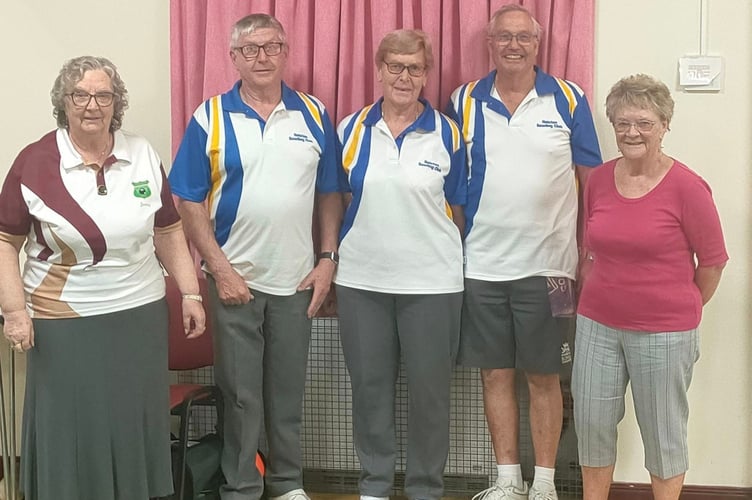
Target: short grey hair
253,22
405,41
513,7
73,72
643,92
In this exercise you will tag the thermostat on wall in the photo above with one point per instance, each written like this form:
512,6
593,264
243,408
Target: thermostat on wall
700,73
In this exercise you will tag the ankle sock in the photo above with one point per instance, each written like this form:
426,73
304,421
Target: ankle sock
510,474
544,477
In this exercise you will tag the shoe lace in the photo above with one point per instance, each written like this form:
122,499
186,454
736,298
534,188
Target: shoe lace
495,492
543,495
299,496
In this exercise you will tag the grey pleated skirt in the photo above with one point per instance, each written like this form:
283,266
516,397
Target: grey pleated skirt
96,411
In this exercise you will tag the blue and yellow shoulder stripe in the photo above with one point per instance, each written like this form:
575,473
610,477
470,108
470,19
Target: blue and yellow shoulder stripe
465,106
352,137
568,99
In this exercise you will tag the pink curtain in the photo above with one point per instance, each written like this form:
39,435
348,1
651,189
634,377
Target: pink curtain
332,44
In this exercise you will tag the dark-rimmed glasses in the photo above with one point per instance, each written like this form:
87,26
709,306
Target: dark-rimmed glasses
644,126
505,38
398,68
251,51
82,99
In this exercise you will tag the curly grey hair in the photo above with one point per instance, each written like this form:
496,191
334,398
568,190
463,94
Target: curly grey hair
643,92
73,72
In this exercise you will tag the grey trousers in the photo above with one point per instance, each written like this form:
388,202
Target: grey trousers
376,330
260,357
658,367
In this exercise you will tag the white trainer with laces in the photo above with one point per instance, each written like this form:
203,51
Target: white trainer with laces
503,491
540,494
298,494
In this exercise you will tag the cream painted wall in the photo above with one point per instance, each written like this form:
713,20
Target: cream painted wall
710,132
37,36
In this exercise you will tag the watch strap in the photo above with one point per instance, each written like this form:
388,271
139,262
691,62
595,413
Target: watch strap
333,256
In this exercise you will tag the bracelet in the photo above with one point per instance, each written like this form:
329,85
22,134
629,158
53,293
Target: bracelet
192,296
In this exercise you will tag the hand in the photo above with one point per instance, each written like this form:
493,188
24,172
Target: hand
19,330
320,279
584,267
232,288
194,318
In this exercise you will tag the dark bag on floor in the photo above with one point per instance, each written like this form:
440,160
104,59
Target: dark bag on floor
202,469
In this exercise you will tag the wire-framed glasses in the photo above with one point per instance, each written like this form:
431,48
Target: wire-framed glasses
623,126
505,38
398,68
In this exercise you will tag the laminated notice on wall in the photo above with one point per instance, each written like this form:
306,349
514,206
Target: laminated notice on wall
700,73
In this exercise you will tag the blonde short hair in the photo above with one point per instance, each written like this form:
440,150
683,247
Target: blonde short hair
405,42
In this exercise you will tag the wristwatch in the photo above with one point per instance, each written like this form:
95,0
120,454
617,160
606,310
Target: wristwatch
333,256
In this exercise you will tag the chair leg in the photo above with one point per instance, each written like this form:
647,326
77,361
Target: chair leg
183,450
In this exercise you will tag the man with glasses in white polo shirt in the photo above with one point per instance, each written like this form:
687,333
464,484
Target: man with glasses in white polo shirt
529,137
257,156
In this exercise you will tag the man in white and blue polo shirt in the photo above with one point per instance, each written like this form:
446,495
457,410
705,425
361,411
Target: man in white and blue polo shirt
250,164
530,137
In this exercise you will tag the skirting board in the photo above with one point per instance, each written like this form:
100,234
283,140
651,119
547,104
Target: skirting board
640,491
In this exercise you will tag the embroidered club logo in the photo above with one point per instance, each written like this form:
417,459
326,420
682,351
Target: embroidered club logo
141,189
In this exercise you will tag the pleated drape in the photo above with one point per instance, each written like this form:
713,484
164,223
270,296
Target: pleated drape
332,45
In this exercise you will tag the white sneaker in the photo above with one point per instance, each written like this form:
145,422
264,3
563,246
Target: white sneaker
366,497
298,494
549,494
503,491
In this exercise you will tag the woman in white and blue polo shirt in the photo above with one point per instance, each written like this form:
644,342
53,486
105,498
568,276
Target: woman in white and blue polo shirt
399,282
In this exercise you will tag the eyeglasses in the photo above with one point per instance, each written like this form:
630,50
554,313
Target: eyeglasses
644,126
251,51
505,38
398,68
82,99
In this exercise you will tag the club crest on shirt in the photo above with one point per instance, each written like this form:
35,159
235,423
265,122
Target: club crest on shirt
141,189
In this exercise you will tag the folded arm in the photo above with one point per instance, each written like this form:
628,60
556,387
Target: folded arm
707,279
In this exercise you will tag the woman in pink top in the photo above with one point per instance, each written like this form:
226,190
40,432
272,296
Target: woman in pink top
653,253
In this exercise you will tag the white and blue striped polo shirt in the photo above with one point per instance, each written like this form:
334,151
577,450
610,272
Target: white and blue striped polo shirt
260,178
398,235
522,196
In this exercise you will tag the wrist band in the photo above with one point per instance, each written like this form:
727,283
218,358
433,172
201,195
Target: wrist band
191,296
